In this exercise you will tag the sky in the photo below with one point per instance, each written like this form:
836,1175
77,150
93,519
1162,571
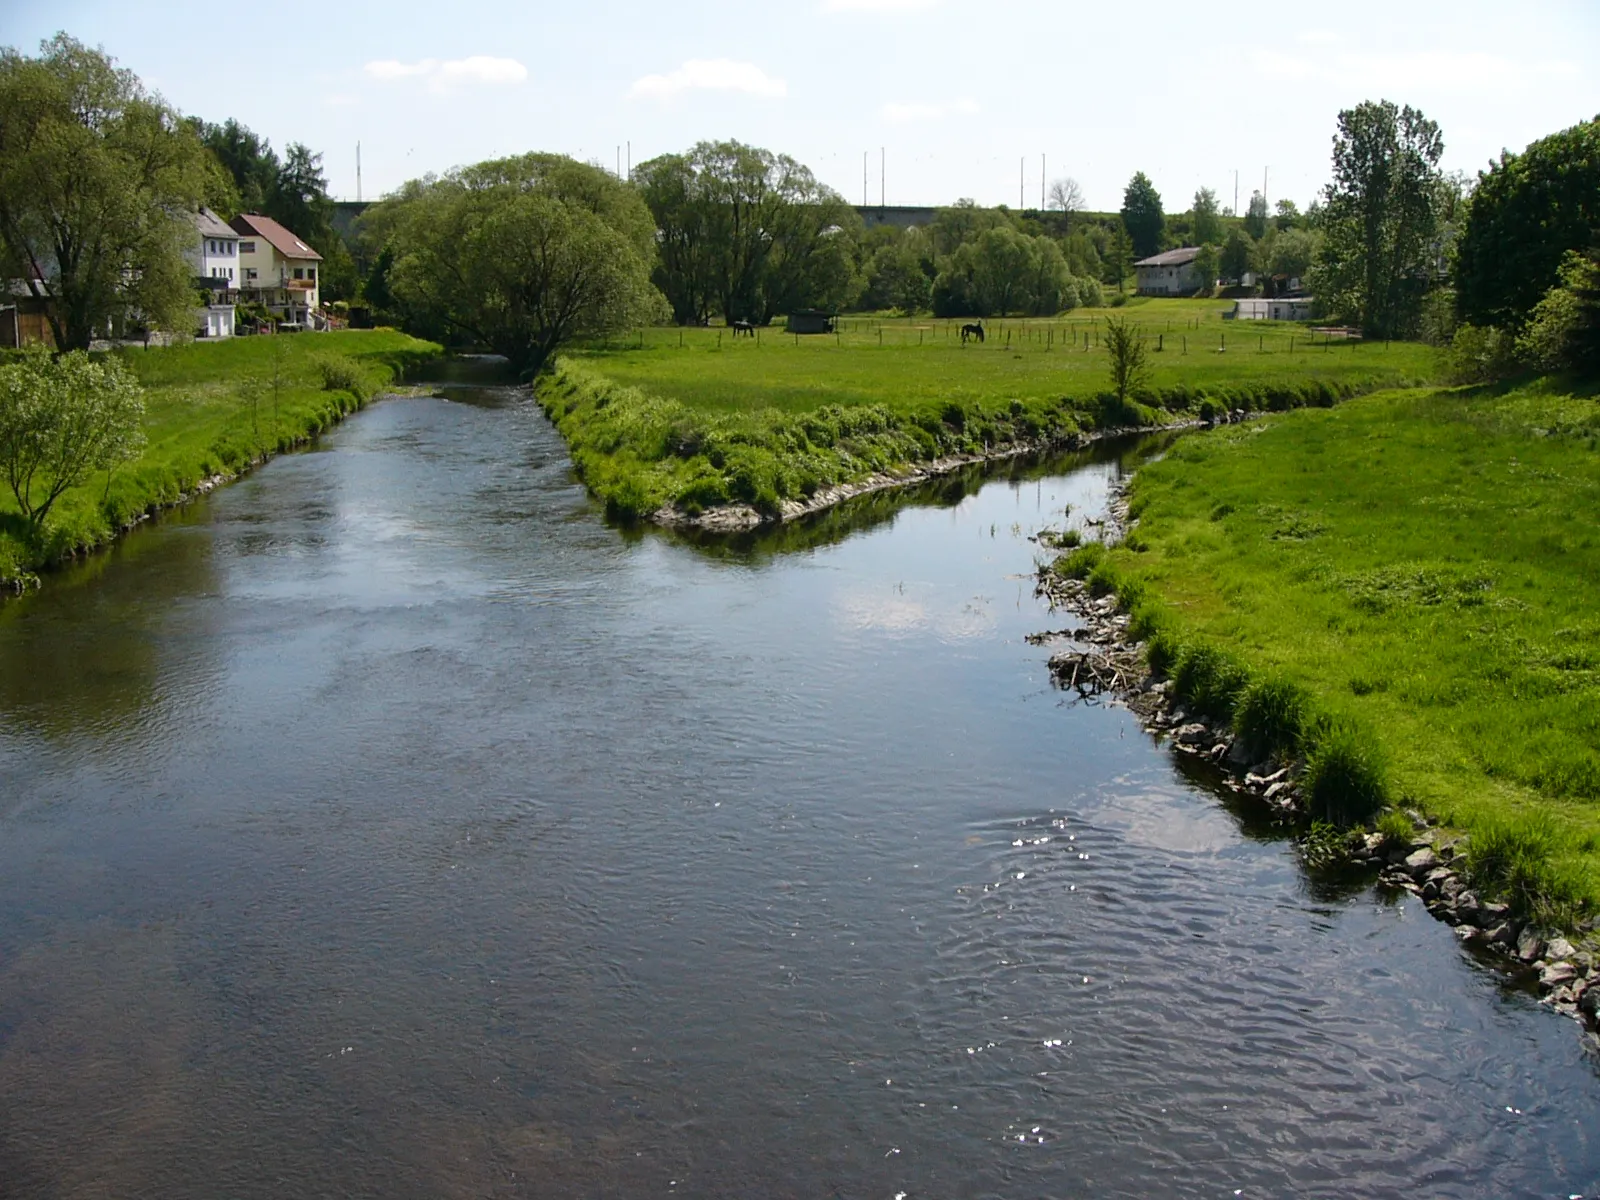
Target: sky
946,99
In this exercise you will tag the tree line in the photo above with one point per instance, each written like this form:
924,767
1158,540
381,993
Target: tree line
98,176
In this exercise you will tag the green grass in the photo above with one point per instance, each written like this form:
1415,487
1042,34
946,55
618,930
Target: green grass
1422,567
697,418
212,408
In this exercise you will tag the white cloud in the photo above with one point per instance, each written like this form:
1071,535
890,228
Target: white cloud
877,6
1402,73
447,74
1318,37
710,75
899,114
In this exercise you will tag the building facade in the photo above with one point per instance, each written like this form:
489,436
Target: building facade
278,270
216,261
1169,274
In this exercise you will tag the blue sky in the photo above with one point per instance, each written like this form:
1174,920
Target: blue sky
957,95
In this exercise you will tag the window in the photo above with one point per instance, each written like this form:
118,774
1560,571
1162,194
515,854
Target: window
249,273
299,273
311,274
247,247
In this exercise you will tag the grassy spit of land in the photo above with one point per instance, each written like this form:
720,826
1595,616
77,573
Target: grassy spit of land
212,408
1408,580
695,418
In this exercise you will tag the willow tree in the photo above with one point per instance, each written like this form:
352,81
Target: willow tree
523,255
748,233
97,178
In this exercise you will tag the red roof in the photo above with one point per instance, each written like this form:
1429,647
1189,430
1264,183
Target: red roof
286,244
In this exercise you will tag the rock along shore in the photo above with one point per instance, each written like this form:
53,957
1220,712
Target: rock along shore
1106,661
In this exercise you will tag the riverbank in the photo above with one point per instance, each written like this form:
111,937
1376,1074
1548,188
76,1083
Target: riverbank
212,411
759,431
1396,586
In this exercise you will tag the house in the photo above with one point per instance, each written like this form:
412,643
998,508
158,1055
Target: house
810,320
1169,274
215,256
1297,308
278,270
25,316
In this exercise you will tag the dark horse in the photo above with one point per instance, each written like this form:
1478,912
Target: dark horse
743,327
973,330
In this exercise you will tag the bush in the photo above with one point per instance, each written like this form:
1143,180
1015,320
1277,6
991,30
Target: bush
1396,828
1165,650
1515,858
1271,715
1209,680
1480,354
341,373
1081,561
1347,779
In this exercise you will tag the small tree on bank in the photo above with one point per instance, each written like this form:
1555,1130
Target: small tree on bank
1130,362
61,419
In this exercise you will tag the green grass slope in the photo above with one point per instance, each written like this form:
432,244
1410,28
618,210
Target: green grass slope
1423,566
698,418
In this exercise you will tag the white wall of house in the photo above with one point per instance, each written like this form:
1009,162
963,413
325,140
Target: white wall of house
260,265
219,259
1167,281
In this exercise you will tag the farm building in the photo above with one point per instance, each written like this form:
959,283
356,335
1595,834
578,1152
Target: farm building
24,317
1297,308
1168,274
810,320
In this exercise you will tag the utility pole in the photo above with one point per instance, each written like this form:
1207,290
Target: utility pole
1264,171
358,172
630,159
1236,191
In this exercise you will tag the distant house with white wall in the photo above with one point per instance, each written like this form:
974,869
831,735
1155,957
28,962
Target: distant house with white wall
215,257
1283,308
1168,274
277,269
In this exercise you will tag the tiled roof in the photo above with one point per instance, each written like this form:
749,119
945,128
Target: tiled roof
212,226
286,243
1172,258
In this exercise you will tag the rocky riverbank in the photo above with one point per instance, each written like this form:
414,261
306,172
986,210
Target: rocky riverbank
1104,660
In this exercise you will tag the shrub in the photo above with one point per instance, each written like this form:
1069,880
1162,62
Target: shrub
1480,354
1347,779
1210,680
1271,715
1081,561
1165,650
341,373
1514,857
1103,578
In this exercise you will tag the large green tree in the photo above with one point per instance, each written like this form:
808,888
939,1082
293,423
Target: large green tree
1142,216
97,181
1528,211
748,233
522,255
1207,222
1380,253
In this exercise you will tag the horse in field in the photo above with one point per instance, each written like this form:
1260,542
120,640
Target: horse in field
972,330
744,327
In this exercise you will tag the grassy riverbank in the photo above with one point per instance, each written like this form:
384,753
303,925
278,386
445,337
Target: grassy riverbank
697,418
1419,568
212,408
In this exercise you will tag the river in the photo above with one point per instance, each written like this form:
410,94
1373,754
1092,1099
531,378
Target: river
389,825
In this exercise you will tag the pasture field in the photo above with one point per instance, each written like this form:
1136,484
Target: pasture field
212,408
697,417
1422,565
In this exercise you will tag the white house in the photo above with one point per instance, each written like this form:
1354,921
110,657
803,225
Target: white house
215,256
1169,274
277,269
1284,308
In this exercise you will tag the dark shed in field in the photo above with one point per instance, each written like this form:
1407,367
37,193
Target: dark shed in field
810,320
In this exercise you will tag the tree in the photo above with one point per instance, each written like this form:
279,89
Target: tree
1291,253
1142,216
97,181
1255,217
62,417
896,277
1207,224
522,255
1119,263
1527,213
1237,253
249,161
1208,267
1130,362
1380,255
1288,216
1066,197
1562,333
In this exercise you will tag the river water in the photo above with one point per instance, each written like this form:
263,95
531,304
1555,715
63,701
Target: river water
388,825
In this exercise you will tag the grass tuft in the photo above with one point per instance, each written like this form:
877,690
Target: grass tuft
1347,775
1271,716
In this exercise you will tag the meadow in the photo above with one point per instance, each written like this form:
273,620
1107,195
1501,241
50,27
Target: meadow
212,408
1414,572
697,417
